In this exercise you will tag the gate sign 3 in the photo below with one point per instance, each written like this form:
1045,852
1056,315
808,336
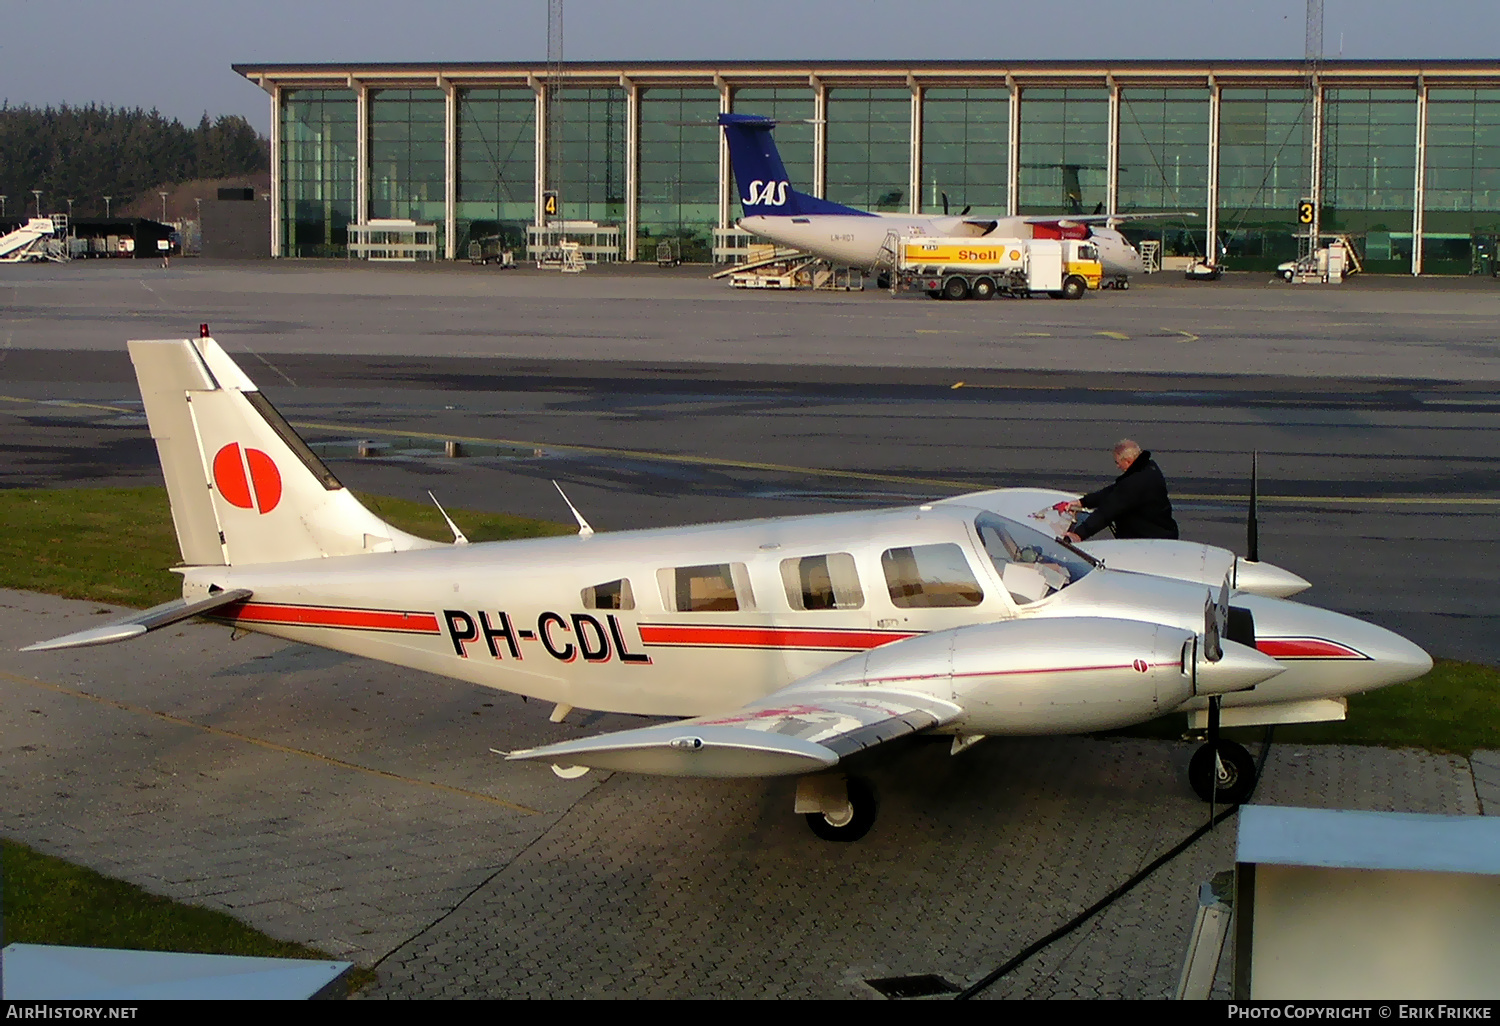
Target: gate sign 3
236,485
1305,211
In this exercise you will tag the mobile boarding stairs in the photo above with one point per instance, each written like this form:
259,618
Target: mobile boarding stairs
40,238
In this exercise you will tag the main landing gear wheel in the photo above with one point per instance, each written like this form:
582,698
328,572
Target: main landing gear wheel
851,823
1234,770
955,288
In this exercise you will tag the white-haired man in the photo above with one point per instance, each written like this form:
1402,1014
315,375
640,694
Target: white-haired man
1136,505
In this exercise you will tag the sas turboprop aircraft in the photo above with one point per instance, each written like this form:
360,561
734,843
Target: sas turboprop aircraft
782,647
856,238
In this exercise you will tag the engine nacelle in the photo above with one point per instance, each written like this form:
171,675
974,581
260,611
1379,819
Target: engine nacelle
1068,676
1055,676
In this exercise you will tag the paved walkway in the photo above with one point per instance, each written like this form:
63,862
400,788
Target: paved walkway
357,807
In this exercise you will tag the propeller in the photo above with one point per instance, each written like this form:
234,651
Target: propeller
1215,623
965,210
945,203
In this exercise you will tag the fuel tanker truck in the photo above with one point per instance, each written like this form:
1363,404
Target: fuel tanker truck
969,268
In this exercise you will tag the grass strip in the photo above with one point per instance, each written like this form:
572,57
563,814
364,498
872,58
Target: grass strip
50,901
114,545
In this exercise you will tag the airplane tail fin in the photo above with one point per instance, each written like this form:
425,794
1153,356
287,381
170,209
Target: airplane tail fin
244,488
761,177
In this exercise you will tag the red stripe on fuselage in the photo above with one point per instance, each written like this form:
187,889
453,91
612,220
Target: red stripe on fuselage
1306,648
721,636
332,616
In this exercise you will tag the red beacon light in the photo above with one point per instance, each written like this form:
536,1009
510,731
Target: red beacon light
203,331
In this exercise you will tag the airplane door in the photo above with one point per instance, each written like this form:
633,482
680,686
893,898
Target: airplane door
934,587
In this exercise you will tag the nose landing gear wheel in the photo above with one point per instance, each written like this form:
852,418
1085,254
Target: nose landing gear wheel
851,823
1233,771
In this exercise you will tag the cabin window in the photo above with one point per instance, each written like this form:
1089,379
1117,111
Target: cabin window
609,595
711,588
822,582
930,577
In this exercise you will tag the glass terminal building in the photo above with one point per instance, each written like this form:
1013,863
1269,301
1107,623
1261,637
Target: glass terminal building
1403,155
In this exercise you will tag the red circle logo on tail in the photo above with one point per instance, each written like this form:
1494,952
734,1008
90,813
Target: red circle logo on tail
257,488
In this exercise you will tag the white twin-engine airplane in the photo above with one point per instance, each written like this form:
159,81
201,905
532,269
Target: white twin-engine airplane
788,644
856,238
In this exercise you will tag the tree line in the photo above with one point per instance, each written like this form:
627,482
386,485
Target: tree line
87,153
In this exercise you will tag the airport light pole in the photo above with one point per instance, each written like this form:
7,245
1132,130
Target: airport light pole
2,205
163,207
38,194
106,206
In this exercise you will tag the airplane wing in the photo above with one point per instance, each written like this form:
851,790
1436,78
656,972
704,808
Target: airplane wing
793,731
1108,219
137,624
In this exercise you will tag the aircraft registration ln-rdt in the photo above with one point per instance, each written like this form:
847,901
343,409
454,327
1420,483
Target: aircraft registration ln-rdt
784,646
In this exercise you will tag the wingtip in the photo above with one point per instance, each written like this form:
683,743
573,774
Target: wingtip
84,639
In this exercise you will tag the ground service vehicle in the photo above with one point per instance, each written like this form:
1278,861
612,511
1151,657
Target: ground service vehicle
962,268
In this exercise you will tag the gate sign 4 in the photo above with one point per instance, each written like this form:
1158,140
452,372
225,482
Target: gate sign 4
236,485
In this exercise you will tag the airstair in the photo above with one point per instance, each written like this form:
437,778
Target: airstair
40,238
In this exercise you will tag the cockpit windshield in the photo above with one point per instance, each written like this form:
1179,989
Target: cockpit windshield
1031,565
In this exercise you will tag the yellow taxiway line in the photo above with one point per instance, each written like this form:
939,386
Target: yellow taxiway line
847,475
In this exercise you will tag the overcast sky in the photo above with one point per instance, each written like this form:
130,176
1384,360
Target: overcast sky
175,55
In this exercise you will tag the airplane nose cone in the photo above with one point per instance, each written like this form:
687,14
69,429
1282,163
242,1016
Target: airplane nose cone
1267,579
1395,660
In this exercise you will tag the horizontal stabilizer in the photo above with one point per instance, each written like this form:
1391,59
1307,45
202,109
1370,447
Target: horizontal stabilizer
134,626
786,734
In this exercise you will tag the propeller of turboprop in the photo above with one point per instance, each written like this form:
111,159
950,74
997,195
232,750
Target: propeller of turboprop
962,213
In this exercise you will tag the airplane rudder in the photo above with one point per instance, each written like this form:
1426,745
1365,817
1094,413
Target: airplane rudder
760,176
167,372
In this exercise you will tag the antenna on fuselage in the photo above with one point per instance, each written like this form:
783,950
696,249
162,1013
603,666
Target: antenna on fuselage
583,525
1252,520
458,536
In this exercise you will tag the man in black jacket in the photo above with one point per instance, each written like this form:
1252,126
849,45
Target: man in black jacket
1136,505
